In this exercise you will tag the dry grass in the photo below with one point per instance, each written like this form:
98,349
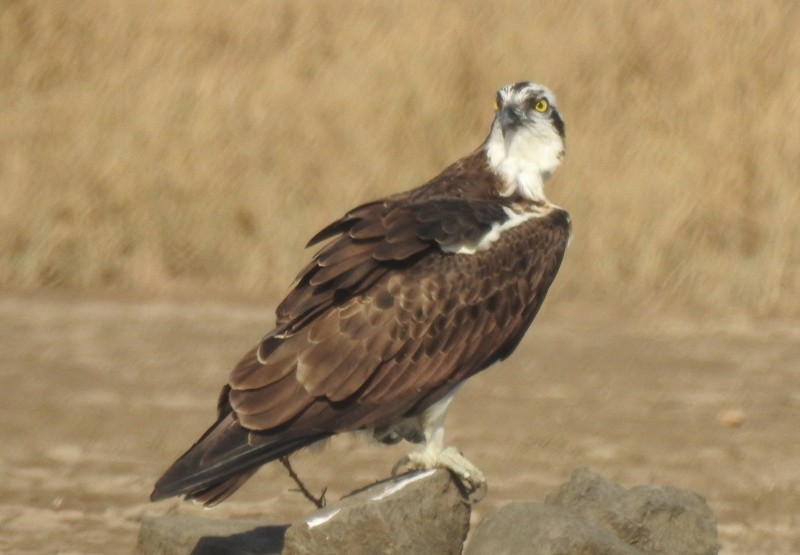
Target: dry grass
164,146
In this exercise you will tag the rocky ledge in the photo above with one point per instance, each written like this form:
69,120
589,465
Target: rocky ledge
425,513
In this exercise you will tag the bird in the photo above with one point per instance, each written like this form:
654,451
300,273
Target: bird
408,297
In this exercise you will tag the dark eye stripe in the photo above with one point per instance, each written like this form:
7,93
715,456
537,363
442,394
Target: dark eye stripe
558,123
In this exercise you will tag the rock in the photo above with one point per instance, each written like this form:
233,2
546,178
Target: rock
423,512
653,518
529,528
170,535
591,515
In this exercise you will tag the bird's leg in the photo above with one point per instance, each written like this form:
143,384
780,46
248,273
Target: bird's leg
434,454
320,501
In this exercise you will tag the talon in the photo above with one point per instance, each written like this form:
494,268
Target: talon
477,493
473,490
399,465
469,478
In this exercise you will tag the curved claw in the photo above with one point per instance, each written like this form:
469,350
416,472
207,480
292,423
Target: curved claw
475,492
400,464
470,479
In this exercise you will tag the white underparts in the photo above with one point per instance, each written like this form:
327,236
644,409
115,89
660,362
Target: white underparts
524,158
486,241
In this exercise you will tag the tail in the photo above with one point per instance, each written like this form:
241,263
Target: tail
223,459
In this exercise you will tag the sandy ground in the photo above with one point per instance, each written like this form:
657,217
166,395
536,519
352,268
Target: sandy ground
100,395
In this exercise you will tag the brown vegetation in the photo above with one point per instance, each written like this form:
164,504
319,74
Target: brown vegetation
154,146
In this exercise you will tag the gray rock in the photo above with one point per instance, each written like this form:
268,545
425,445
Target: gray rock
655,519
173,535
591,515
538,529
422,513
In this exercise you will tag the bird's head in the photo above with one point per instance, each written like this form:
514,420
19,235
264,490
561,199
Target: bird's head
526,142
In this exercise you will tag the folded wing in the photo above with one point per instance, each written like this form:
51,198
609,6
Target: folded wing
383,322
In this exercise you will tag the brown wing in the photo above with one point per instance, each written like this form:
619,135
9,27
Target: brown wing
382,322
377,238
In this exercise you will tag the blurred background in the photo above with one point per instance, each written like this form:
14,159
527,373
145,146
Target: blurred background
163,163
166,147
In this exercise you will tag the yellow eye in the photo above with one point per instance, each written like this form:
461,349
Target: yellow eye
496,105
541,105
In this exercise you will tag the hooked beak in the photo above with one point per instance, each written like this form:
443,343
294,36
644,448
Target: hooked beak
509,119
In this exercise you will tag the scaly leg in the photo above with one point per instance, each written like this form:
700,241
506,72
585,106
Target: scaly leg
434,454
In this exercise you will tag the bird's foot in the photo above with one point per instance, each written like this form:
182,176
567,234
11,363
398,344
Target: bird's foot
470,477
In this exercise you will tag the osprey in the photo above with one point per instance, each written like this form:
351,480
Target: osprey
410,296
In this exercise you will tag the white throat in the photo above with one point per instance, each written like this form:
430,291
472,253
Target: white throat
524,159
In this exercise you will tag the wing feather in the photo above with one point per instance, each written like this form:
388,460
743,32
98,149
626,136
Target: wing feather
344,251
378,337
272,406
250,373
368,229
382,322
344,224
